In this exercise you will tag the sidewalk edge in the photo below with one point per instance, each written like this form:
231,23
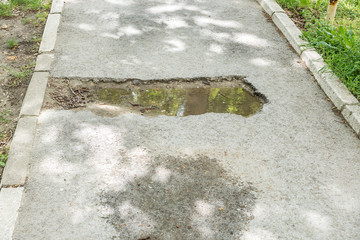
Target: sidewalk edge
335,90
13,181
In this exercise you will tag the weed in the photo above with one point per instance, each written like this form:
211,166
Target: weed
4,153
5,10
40,18
18,77
4,150
26,20
2,117
12,43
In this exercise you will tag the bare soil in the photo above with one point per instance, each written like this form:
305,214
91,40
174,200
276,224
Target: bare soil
24,29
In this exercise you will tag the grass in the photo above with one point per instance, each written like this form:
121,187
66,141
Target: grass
339,44
4,152
17,77
6,8
12,43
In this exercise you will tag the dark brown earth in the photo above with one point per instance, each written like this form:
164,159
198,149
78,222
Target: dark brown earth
20,37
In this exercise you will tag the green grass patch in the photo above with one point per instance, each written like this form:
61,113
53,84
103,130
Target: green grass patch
17,77
338,44
6,8
3,156
12,43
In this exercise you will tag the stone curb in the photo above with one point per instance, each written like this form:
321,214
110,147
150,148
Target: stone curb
49,36
57,6
10,201
35,93
327,80
16,169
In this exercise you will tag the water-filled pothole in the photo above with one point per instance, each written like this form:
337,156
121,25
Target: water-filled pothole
174,97
184,101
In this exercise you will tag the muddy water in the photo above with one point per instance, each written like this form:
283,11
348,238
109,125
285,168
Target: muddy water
184,101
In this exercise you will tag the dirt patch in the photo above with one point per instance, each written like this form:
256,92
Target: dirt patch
181,198
174,97
20,37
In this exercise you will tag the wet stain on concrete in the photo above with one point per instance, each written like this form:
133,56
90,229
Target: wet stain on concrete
181,198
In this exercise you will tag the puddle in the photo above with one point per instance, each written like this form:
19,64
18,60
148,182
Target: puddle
183,101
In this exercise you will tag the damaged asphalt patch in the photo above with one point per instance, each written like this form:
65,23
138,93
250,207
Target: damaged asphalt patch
181,198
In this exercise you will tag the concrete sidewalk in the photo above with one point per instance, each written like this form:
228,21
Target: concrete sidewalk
287,172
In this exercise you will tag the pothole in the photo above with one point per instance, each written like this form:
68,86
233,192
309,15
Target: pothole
174,97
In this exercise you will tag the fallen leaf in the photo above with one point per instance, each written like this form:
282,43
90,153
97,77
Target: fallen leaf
11,58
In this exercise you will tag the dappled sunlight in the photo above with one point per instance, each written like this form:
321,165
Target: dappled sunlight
172,22
121,2
129,31
80,213
52,165
110,35
110,16
317,221
162,175
86,27
216,48
259,234
259,211
178,198
206,21
165,8
137,221
217,36
261,62
132,60
250,40
52,137
200,219
203,208
175,45
93,11
342,200
186,30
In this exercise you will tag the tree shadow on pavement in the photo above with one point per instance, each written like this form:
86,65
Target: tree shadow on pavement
180,198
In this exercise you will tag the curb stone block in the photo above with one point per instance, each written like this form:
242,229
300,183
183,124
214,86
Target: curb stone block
35,94
292,33
352,115
16,168
329,82
270,7
50,33
282,20
57,6
289,29
10,200
339,94
43,62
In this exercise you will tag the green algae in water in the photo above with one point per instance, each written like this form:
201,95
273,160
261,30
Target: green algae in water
184,101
